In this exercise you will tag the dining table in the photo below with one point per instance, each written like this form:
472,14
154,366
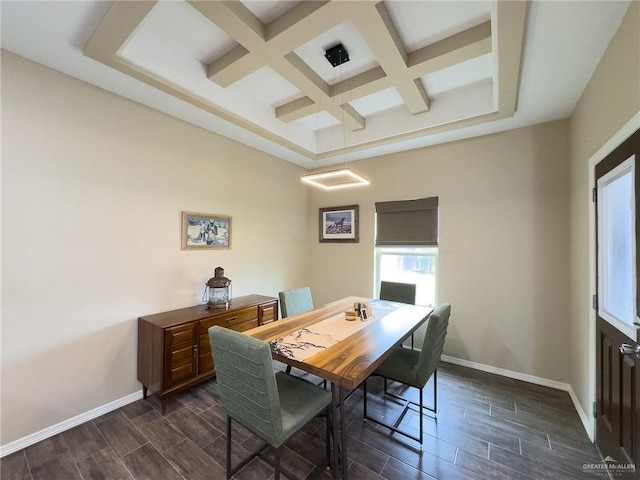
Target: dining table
328,343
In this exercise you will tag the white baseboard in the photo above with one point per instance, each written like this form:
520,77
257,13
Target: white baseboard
109,407
586,420
67,424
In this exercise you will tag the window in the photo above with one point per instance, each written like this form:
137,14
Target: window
407,246
417,265
616,240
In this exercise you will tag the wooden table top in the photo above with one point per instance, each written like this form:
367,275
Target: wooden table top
349,362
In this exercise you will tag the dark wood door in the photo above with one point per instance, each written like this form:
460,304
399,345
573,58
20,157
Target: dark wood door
617,364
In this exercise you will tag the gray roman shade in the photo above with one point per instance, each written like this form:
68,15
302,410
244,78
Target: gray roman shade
407,222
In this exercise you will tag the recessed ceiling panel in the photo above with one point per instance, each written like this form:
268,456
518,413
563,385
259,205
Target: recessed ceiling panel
185,55
155,51
459,76
268,86
175,42
178,27
378,102
421,23
468,103
361,58
318,121
266,11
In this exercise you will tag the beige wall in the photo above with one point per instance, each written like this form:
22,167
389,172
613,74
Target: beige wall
610,100
503,242
93,186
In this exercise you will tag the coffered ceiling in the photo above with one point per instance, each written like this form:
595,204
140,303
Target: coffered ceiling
419,72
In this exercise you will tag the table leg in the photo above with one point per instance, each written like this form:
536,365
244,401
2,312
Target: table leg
334,425
339,443
343,436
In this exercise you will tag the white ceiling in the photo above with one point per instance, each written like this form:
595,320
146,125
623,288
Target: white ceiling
420,72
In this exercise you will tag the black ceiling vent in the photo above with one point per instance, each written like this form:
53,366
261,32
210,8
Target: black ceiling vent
337,55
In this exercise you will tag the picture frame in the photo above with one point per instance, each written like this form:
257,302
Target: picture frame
205,231
339,224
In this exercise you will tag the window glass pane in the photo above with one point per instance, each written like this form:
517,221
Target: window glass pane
616,241
409,265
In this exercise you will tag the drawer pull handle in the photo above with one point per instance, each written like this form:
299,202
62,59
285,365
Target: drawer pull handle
232,319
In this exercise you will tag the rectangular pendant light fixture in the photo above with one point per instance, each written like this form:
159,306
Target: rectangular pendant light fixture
344,177
335,179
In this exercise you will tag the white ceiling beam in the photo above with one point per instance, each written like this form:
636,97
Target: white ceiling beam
461,47
305,20
378,30
341,93
294,69
121,21
111,36
510,21
507,25
239,23
458,48
276,53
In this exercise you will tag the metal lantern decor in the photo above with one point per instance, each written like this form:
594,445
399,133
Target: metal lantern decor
218,290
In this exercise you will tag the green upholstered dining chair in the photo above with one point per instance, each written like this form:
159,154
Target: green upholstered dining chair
414,368
272,405
294,301
398,292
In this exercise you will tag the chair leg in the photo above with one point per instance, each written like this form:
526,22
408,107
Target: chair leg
288,369
232,471
229,473
365,398
260,452
407,405
434,410
421,420
327,434
435,393
277,462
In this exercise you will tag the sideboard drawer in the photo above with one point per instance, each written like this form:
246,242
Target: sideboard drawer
181,334
268,313
179,354
229,320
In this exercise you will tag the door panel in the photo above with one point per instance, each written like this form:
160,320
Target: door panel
610,391
618,374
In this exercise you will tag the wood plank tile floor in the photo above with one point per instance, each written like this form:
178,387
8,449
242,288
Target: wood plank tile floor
489,427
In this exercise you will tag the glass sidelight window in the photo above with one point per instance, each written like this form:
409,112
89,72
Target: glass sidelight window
616,247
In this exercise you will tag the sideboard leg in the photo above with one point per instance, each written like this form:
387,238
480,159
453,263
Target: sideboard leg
144,392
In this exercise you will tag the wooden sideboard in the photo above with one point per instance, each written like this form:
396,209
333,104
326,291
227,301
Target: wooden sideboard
173,347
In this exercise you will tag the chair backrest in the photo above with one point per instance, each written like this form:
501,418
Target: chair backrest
295,301
433,343
398,292
246,381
